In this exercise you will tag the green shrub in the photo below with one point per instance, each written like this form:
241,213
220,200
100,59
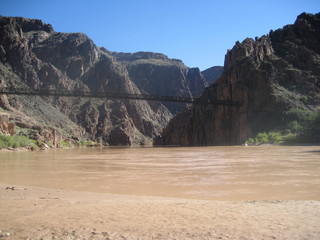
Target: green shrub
303,127
294,126
252,141
291,138
297,114
311,130
85,143
64,144
262,137
314,118
304,98
16,141
2,142
275,137
265,138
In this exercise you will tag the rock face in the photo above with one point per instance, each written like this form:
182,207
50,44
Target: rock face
156,74
269,75
33,55
212,74
6,127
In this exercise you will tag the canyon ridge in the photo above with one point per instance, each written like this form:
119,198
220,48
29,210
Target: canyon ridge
34,56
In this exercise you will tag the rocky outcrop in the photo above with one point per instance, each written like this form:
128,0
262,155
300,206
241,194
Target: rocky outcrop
34,56
143,56
6,127
196,82
212,74
156,74
269,75
177,133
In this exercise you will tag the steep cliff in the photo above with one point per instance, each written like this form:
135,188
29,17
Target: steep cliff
156,74
212,74
271,76
33,55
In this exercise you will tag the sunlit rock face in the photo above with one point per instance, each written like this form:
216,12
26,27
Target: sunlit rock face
269,75
33,55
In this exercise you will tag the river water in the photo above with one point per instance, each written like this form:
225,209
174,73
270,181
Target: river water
219,173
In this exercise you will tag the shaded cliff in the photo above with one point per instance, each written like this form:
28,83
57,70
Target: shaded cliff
273,76
156,74
212,74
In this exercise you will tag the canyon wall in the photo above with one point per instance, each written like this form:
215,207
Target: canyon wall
270,76
34,56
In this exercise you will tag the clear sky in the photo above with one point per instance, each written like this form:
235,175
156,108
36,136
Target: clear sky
198,32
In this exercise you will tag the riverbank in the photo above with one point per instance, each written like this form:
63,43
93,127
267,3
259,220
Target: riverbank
46,147
27,142
39,213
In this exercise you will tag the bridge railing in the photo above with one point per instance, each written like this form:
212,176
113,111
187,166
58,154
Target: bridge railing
92,94
112,95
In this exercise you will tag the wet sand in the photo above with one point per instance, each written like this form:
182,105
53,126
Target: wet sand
40,213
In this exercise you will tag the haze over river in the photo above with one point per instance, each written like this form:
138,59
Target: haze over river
218,173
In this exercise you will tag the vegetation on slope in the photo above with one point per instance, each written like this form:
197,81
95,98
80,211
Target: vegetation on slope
17,141
303,127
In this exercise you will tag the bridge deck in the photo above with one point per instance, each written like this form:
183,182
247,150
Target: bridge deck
110,95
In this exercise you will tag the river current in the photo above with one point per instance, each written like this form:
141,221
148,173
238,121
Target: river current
218,173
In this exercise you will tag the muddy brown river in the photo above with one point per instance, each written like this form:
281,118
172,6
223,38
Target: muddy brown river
219,173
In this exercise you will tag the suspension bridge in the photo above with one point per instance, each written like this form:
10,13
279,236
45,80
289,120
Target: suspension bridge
111,95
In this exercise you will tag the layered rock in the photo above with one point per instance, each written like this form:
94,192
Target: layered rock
156,74
34,56
269,75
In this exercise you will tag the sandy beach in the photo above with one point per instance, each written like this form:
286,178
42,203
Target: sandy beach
39,213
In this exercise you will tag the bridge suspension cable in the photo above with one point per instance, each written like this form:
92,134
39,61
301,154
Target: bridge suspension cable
111,95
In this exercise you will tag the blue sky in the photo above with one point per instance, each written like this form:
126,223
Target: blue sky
198,32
